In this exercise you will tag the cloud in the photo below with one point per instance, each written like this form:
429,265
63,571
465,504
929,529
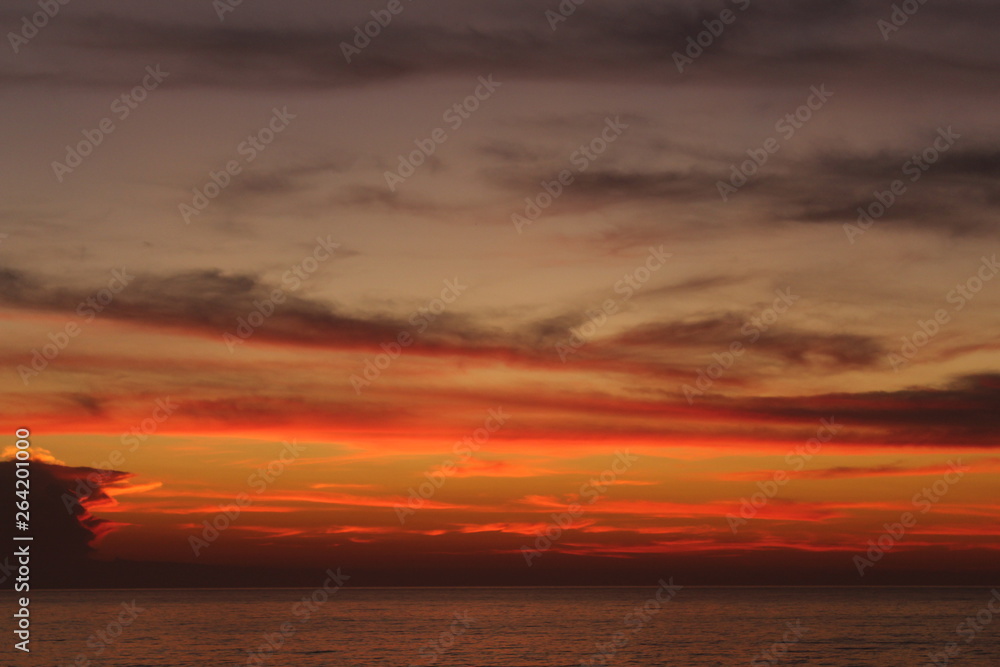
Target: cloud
958,195
209,301
60,500
780,42
964,412
986,464
788,344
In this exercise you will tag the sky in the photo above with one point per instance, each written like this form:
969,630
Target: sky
528,292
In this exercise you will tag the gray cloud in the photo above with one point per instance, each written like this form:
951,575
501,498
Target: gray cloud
779,42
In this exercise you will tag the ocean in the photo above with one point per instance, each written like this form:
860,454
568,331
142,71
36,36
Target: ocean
511,627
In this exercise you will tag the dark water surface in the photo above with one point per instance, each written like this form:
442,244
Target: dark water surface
527,627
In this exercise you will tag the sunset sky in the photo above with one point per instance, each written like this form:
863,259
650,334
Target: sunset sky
563,280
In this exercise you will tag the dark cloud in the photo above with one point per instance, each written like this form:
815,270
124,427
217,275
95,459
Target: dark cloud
61,524
716,334
783,42
957,195
288,180
91,404
629,186
964,412
695,284
212,302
